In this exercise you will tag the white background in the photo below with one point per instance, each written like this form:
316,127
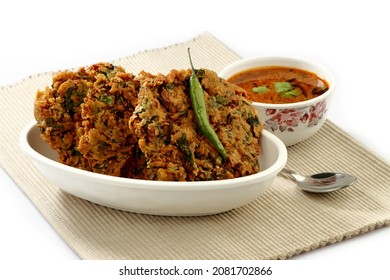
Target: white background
350,37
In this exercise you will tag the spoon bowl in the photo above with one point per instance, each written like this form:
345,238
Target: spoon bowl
321,182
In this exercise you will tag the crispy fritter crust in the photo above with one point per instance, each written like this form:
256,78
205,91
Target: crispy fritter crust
57,110
84,117
167,133
107,142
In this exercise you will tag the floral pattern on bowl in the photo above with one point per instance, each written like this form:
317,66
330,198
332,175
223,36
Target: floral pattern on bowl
290,118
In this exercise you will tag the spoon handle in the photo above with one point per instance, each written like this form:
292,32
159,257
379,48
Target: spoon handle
292,174
288,171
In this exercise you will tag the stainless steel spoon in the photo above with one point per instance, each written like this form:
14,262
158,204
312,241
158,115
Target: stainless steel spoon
321,182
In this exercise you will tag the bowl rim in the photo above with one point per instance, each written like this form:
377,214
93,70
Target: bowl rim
270,172
330,78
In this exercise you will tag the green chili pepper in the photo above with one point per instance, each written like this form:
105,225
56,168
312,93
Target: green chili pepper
198,102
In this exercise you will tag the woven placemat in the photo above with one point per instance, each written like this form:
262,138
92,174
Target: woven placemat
281,223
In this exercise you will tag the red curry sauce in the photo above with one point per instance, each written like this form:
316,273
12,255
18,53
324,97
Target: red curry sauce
279,84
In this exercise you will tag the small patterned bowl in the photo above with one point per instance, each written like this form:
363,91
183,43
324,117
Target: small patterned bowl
291,122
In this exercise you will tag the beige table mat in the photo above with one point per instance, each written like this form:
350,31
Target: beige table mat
280,224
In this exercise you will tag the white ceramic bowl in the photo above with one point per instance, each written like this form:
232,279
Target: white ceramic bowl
154,197
293,122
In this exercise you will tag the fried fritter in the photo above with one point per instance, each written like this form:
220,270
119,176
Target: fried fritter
57,110
107,142
168,136
84,117
105,120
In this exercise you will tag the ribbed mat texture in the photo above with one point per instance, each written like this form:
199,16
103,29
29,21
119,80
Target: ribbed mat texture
280,224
